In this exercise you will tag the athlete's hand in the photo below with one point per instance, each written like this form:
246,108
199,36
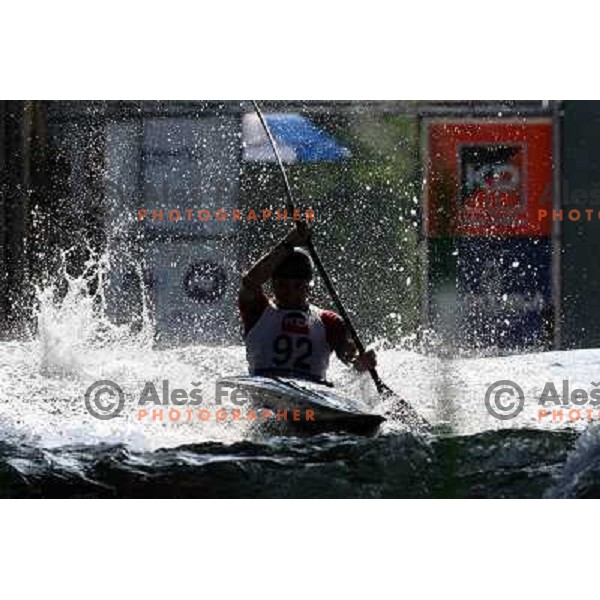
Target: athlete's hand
365,361
300,235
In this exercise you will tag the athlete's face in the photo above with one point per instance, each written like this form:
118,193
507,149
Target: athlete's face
291,293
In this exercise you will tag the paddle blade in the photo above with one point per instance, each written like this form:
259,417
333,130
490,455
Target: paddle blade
399,409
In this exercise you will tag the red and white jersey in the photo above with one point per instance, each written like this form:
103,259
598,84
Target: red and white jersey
289,341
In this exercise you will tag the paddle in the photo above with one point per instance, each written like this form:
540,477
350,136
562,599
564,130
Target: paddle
404,408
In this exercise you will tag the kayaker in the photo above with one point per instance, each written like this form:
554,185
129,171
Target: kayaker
286,335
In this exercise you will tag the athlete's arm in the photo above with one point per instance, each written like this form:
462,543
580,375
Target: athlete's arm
262,270
348,353
339,340
252,300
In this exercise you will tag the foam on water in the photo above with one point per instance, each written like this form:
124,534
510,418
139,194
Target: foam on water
44,380
76,344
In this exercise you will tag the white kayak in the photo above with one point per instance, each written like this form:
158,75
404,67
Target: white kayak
312,407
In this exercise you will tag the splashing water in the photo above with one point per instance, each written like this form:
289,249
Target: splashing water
42,410
77,344
72,322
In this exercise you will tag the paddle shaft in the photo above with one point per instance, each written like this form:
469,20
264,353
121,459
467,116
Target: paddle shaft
381,387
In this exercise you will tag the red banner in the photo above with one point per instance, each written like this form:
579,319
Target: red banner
488,178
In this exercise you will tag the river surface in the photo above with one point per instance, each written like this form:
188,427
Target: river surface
50,446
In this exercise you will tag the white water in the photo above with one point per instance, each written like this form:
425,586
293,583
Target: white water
43,381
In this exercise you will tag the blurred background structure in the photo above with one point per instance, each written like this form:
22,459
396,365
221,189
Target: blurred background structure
427,213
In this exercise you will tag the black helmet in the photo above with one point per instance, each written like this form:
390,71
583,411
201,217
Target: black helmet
298,265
